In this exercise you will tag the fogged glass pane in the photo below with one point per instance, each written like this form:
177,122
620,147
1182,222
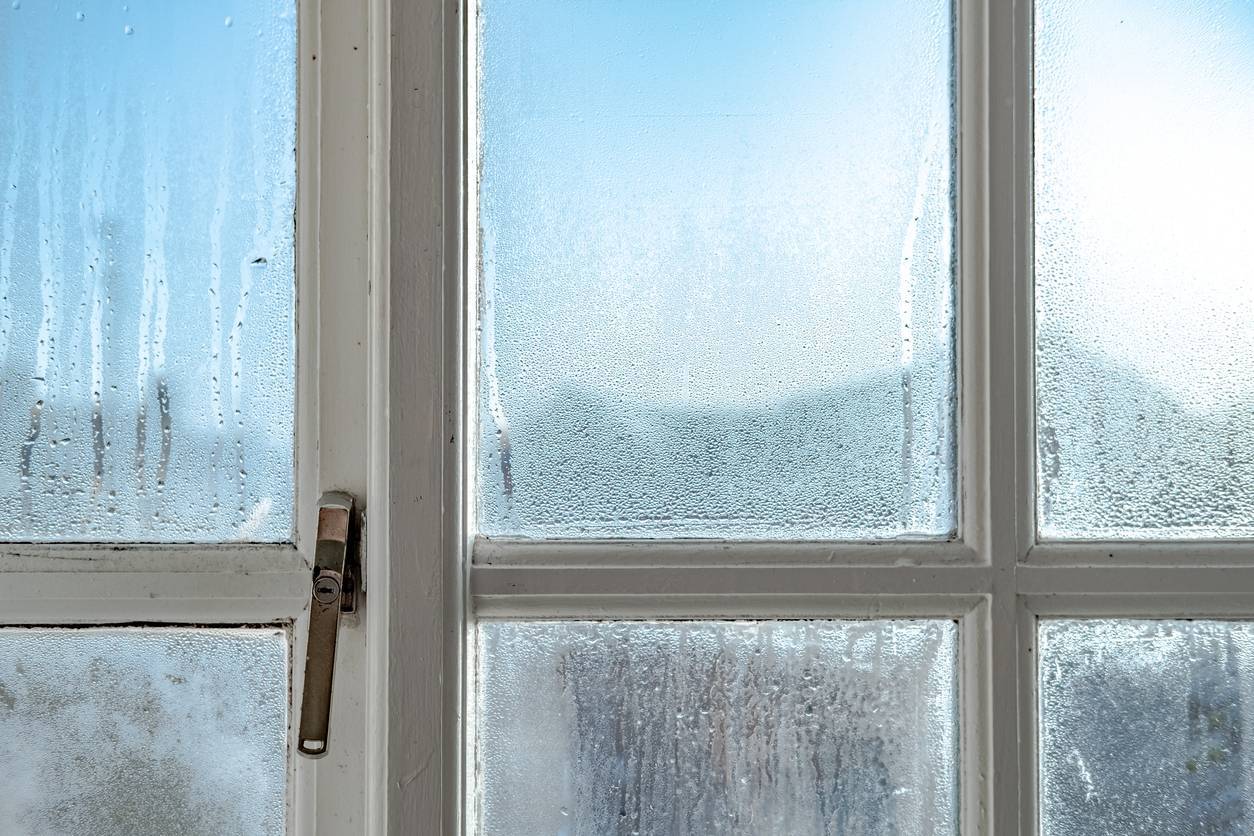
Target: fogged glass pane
716,268
1145,338
146,269
1144,726
686,729
143,732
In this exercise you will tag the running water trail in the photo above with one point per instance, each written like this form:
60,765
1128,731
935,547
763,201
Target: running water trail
8,235
906,311
269,216
216,222
55,123
100,174
101,293
153,314
496,406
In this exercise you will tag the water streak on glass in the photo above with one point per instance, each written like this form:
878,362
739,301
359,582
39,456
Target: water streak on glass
143,732
716,269
147,270
1143,727
1144,293
738,728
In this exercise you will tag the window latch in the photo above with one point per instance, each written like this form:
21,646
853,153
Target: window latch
336,585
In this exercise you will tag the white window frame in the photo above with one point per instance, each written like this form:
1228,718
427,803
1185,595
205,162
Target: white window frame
384,381
341,44
392,397
437,590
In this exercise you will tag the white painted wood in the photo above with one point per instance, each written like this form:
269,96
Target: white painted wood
426,312
738,581
52,598
343,74
377,571
972,274
1008,400
1207,604
1111,582
980,756
1024,699
88,559
1142,553
722,605
716,553
975,718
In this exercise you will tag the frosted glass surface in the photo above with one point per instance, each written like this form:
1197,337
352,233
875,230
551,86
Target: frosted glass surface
1143,728
733,728
147,158
1144,292
143,732
716,269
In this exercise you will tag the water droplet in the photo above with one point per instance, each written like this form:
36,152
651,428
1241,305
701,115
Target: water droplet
229,20
79,16
128,30
17,4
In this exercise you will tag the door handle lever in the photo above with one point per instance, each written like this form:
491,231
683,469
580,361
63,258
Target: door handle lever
334,591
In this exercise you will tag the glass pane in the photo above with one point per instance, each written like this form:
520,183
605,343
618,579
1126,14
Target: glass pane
1145,338
143,732
146,270
716,264
679,729
1143,727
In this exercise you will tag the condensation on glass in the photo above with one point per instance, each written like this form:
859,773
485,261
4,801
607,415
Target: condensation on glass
1144,293
143,731
147,158
1143,726
716,259
825,728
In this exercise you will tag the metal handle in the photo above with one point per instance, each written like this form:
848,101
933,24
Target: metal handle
333,591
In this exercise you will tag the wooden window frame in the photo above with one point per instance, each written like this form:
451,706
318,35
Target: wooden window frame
391,395
338,403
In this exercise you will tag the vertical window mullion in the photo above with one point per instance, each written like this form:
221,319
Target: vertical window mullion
1008,409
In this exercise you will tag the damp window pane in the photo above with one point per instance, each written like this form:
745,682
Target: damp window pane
716,262
1143,727
1145,339
143,732
146,270
685,729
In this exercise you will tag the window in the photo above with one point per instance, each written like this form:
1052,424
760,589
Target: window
1143,332
1143,431
1019,474
1116,696
184,338
125,421
694,324
693,726
805,418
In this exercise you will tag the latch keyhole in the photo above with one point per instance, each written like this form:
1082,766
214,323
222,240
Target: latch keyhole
327,590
